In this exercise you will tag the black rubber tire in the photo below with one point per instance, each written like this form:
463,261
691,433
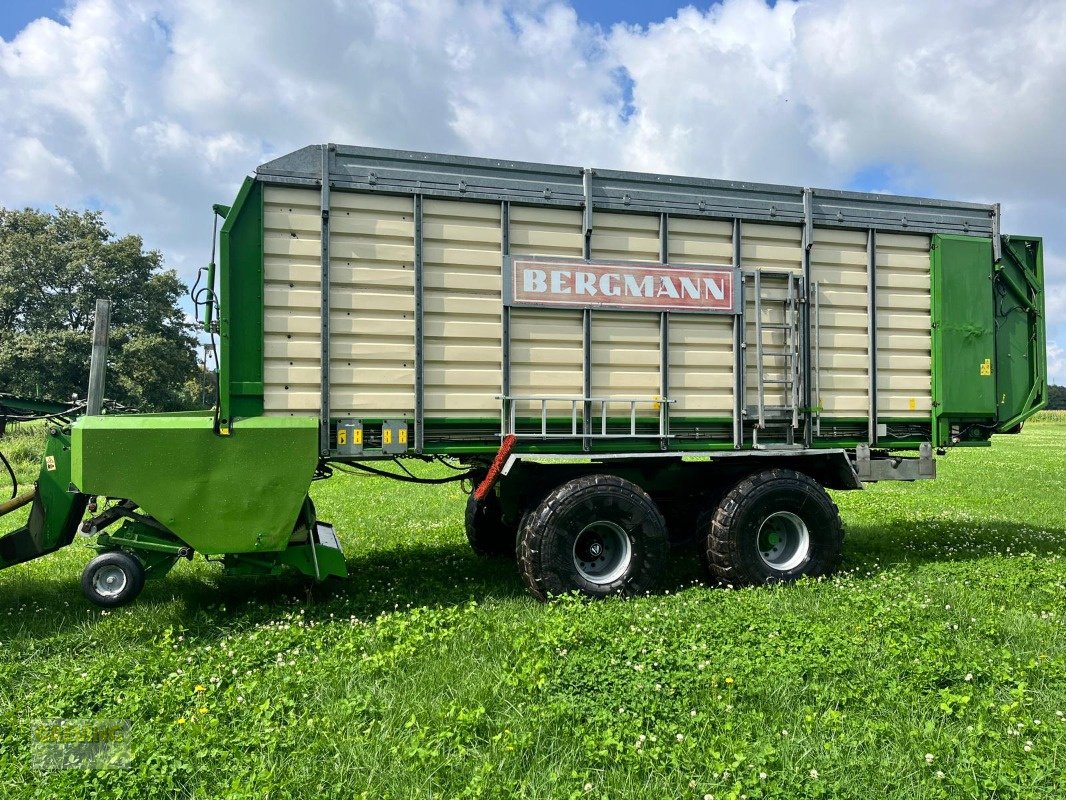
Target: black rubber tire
732,547
549,532
132,570
485,530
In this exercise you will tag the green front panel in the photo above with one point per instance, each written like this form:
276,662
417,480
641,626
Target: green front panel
1021,359
218,494
964,358
241,306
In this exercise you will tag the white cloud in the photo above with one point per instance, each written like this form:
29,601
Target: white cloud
157,109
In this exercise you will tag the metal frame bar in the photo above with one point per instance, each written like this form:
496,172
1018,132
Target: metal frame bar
816,368
871,311
586,313
510,403
505,314
739,343
420,351
664,333
803,368
758,349
324,311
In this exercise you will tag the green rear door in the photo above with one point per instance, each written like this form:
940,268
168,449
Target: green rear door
1021,357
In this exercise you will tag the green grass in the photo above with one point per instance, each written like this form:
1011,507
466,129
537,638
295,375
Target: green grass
933,665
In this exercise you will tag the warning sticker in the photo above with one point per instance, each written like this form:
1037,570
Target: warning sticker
986,367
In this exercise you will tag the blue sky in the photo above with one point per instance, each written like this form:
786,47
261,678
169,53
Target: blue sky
15,14
634,12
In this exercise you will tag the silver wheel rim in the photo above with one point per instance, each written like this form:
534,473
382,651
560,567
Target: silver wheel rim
110,581
784,541
602,552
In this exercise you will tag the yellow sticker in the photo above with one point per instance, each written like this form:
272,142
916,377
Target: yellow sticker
342,436
403,435
50,463
357,436
913,404
386,435
986,367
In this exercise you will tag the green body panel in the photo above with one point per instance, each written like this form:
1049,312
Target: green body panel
240,316
218,494
1021,352
56,511
964,385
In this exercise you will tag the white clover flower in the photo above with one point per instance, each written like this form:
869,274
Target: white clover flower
814,774
929,758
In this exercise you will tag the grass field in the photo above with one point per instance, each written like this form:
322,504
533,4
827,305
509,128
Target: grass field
932,666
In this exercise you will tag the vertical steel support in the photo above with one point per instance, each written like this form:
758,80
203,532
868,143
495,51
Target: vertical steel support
871,312
98,359
586,375
817,368
664,339
805,317
324,414
758,347
505,318
586,316
420,350
739,362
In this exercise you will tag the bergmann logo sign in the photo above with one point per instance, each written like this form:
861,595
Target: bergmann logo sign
622,285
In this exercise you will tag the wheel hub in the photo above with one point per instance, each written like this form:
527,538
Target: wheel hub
602,552
109,581
784,541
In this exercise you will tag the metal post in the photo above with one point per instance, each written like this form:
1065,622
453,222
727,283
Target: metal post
505,332
586,375
664,339
804,371
871,312
739,361
586,319
98,360
758,345
817,368
420,350
323,434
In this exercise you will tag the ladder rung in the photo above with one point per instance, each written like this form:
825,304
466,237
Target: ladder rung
775,382
777,326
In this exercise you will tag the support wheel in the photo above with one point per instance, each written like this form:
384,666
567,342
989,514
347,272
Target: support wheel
485,528
773,526
112,579
597,534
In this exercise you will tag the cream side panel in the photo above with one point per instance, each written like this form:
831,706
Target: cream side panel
292,236
841,377
546,344
461,307
904,335
372,305
701,345
625,344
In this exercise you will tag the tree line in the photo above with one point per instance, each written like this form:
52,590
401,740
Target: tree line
53,267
